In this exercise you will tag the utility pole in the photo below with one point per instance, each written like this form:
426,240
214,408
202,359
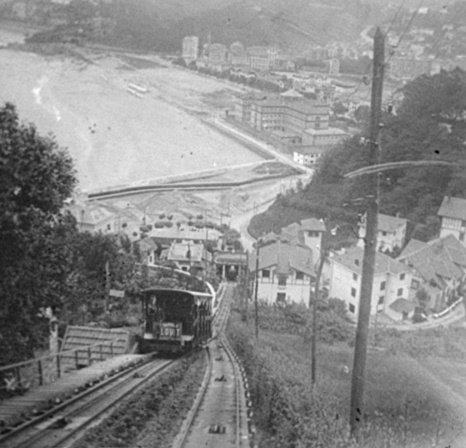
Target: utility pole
323,249
256,289
362,331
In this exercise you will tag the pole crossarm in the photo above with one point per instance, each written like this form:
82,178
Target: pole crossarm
371,169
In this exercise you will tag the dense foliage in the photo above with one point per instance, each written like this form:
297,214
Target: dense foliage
430,124
36,176
44,261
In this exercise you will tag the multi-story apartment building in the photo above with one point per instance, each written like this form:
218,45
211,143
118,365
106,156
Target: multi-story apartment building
285,272
295,115
453,215
262,58
190,50
217,53
390,289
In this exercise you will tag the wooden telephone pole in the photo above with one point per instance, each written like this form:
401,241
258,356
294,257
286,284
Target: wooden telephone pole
367,280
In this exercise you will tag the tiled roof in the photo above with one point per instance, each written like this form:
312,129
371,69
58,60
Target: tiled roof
285,257
313,224
293,233
453,208
147,244
402,305
353,257
179,251
437,259
389,223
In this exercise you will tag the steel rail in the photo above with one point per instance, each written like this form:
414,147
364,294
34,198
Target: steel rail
118,387
221,320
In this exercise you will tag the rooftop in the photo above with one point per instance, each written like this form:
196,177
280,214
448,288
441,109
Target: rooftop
285,257
440,258
453,208
353,258
388,223
313,224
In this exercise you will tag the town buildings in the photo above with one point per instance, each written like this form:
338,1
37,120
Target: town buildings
391,232
438,266
285,272
294,122
390,290
190,256
190,50
453,215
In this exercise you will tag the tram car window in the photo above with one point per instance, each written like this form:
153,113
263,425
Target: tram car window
175,320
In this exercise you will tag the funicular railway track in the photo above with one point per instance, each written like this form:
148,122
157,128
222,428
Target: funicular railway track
219,414
66,422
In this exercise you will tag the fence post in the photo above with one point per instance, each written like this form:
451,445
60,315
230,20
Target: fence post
101,357
76,357
89,356
111,348
58,366
41,378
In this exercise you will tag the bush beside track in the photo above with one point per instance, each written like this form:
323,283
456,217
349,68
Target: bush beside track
154,416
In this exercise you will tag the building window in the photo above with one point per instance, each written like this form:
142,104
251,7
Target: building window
353,292
109,227
351,308
461,236
399,292
299,275
384,233
382,286
282,280
381,299
402,276
265,273
355,277
281,297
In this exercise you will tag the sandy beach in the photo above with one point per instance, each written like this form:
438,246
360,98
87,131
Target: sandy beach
116,133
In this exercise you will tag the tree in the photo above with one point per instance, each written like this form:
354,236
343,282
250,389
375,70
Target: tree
36,176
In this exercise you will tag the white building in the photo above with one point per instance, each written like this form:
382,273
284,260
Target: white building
453,215
190,50
189,255
391,232
390,290
285,272
313,231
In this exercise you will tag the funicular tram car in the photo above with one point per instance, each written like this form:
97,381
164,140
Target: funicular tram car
175,320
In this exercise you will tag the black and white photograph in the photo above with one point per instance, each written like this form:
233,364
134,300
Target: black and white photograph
232,223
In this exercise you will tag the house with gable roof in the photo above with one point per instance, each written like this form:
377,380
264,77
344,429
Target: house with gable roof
452,212
390,290
391,232
285,272
439,267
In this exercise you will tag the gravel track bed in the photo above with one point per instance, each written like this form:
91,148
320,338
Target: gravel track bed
152,417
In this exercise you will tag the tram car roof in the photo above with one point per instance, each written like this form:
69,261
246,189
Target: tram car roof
185,291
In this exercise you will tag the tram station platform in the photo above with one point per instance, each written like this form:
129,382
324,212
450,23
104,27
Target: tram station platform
13,411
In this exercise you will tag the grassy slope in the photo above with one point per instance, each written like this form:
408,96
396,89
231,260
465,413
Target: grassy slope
406,404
